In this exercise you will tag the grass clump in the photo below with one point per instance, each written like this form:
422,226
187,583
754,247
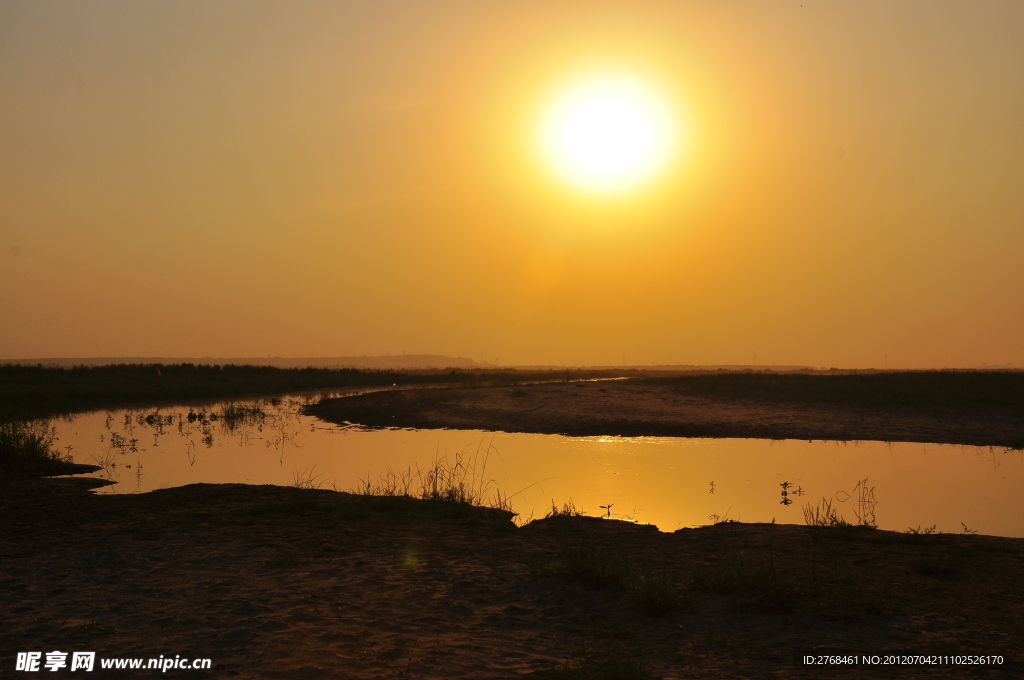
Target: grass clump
307,479
921,536
27,448
236,416
758,584
592,568
461,481
655,594
568,509
754,579
652,593
743,577
825,520
946,555
447,489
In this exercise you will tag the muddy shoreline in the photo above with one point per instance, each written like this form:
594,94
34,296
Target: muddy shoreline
647,408
272,582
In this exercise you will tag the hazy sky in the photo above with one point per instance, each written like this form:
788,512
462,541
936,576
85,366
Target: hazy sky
324,179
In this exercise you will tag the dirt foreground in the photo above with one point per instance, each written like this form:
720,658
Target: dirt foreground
640,408
271,582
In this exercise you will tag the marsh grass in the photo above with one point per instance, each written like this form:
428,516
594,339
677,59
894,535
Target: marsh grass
783,579
593,568
655,593
823,515
828,587
568,509
919,531
235,416
741,576
307,479
944,555
243,412
844,599
826,522
754,582
460,480
28,448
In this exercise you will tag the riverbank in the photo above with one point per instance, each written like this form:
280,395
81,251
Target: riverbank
39,392
662,407
272,582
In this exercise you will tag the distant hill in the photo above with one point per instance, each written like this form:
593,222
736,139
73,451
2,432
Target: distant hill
664,367
404,361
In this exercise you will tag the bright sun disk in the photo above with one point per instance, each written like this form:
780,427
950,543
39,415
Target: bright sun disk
607,135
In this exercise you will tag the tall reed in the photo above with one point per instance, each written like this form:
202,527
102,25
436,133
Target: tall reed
29,448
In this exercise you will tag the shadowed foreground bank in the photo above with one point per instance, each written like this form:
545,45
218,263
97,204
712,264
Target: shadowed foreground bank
982,409
271,582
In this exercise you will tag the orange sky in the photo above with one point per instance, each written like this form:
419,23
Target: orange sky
328,179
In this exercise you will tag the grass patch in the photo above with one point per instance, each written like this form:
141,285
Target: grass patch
825,521
461,480
743,577
447,489
307,479
922,536
655,594
568,509
592,568
27,448
758,584
350,506
652,593
235,416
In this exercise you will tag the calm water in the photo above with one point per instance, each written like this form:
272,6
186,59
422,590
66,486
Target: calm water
670,482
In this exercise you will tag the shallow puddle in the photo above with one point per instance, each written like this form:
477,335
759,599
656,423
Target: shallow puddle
670,482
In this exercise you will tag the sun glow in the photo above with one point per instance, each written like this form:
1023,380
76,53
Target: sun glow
607,135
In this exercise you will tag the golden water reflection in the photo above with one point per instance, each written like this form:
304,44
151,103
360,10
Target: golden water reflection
670,482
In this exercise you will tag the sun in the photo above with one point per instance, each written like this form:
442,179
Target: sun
607,135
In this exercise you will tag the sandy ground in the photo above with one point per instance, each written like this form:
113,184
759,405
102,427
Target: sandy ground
640,408
271,582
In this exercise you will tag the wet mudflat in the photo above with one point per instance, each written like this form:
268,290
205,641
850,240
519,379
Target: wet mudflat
634,408
273,582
